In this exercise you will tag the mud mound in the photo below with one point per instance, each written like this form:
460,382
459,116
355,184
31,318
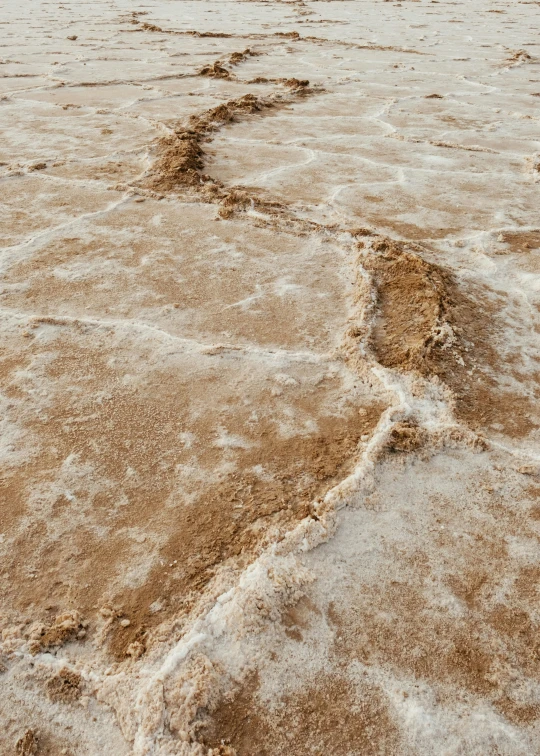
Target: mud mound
518,56
411,306
406,437
426,321
66,627
295,83
181,157
239,57
150,27
291,83
215,71
65,686
28,744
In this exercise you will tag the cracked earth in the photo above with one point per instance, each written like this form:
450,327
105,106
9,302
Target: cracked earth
269,378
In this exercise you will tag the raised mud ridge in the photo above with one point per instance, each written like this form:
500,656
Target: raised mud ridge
181,157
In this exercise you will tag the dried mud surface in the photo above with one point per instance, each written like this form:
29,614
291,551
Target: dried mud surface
269,378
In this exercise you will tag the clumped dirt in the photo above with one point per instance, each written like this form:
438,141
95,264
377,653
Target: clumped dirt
149,27
181,157
329,715
428,322
521,241
518,56
215,71
295,83
145,26
411,306
28,744
65,686
406,437
65,627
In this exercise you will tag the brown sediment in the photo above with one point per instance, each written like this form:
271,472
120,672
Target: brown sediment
147,26
403,632
239,57
28,744
406,437
330,714
521,241
235,518
294,83
518,56
425,321
291,83
65,627
215,71
411,305
457,146
181,155
65,686
129,445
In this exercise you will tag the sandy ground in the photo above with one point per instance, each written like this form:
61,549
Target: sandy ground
269,378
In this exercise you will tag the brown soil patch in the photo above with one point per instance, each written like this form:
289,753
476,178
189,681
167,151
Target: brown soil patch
518,56
194,504
427,322
295,83
297,617
400,630
64,687
215,71
218,71
66,627
38,742
28,744
181,157
411,306
486,647
328,716
406,437
521,241
226,523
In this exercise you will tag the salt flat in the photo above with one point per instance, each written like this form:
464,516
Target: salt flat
269,377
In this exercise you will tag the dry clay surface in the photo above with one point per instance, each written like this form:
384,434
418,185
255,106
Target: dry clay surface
269,378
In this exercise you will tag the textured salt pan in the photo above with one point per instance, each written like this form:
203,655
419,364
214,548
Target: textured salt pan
269,378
